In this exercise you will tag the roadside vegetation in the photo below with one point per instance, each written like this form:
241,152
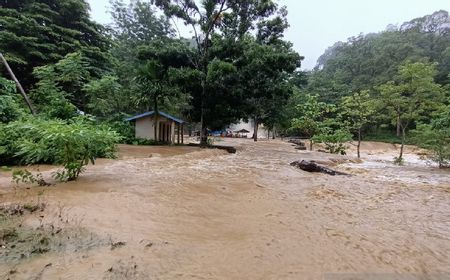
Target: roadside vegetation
84,79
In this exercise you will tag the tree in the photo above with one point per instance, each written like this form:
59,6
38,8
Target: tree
234,18
10,105
411,96
312,114
357,109
264,71
334,139
155,77
365,61
134,26
105,97
40,32
59,92
436,137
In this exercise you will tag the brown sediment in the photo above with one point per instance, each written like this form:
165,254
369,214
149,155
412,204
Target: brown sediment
206,214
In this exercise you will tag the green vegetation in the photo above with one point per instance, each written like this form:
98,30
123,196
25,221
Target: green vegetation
70,144
380,85
436,137
236,65
358,110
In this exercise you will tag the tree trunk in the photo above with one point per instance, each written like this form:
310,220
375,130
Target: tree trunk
203,129
19,86
268,134
310,144
359,143
311,166
402,145
273,133
398,126
255,129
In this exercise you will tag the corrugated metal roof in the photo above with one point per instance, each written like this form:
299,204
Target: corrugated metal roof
150,113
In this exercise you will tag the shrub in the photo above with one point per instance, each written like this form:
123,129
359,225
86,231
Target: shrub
70,144
334,140
10,105
436,138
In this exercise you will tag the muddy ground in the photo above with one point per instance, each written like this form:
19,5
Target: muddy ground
189,213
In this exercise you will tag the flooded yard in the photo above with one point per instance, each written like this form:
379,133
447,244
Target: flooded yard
190,213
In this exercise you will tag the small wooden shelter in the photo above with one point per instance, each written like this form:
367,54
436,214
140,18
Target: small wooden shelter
168,128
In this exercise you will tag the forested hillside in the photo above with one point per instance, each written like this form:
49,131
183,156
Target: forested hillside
383,85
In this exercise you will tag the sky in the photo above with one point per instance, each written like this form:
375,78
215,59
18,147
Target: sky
317,24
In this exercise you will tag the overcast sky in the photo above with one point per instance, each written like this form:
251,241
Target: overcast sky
318,24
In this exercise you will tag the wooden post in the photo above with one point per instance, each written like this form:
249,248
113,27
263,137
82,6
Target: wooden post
182,134
178,133
19,86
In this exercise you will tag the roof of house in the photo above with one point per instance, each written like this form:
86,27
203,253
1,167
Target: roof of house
150,113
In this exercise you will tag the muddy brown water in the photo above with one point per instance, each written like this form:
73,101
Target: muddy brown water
188,213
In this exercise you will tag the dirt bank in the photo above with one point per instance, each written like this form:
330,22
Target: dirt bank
207,214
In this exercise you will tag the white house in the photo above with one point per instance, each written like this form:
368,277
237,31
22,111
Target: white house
168,128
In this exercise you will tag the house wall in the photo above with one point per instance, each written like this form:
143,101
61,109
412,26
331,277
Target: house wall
144,128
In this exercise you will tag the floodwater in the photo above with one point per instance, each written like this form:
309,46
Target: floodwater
189,213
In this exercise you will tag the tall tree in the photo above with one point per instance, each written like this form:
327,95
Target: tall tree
59,92
155,76
39,32
357,110
310,117
234,18
264,72
136,26
412,96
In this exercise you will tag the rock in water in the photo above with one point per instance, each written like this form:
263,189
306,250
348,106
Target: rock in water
311,166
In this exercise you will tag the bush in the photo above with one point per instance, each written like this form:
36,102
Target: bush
70,144
10,105
334,140
124,128
435,138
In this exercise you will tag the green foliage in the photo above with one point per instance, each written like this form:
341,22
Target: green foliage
140,36
146,142
23,176
40,32
311,115
10,105
124,128
399,161
235,20
72,145
436,138
357,110
412,96
58,92
264,70
368,60
105,97
384,135
334,140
